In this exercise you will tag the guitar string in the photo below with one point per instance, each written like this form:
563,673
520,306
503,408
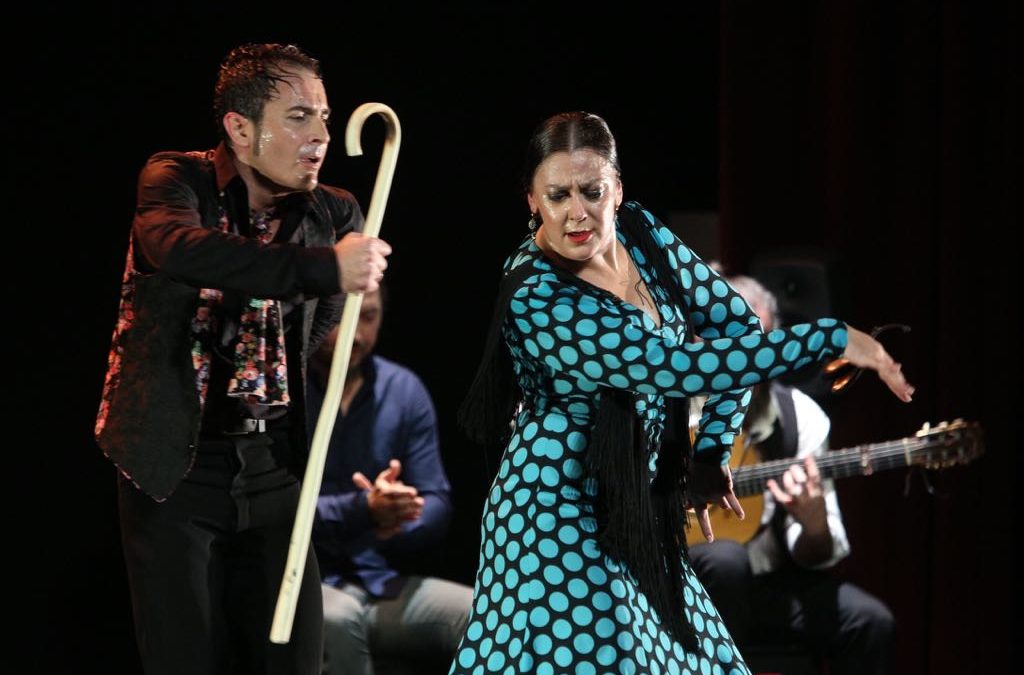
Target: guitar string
851,459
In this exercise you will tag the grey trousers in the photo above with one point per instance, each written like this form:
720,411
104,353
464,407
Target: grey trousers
417,632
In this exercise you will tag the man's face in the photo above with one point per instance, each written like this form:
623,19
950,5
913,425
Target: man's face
290,142
763,313
367,329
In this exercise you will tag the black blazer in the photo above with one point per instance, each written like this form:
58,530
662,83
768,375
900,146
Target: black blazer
150,412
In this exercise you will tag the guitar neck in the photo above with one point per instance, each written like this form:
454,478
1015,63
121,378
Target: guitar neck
857,461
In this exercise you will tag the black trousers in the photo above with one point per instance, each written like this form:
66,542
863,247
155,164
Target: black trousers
205,565
836,620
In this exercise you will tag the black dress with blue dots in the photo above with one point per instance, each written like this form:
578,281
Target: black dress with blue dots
547,599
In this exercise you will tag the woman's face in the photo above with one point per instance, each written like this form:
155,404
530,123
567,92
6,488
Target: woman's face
575,196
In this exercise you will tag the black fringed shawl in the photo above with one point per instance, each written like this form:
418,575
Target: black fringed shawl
640,523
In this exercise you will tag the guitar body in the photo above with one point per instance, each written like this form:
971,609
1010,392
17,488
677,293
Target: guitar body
724,523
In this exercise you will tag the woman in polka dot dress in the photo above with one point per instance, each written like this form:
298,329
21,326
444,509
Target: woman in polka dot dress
583,566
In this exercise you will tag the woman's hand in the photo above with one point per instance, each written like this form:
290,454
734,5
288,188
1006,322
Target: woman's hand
711,484
864,351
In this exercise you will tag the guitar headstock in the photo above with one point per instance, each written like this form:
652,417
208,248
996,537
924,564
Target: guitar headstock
949,444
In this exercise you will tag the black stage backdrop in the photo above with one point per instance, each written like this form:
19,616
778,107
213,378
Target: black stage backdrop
878,141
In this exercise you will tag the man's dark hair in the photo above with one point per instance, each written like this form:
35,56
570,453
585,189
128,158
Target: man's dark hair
249,76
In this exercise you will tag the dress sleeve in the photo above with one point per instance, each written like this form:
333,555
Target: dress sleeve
588,340
714,309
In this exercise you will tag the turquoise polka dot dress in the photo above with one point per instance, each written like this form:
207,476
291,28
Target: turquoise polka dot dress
547,599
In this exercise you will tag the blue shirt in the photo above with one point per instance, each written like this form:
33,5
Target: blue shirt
391,417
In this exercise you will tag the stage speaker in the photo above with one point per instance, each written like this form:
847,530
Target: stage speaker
799,279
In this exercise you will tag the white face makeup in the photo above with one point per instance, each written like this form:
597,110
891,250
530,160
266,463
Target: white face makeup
290,142
575,196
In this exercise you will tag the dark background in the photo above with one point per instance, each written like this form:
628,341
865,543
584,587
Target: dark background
879,138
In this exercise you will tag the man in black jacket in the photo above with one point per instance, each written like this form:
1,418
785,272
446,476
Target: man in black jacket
236,266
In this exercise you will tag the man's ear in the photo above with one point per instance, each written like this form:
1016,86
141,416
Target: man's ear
240,130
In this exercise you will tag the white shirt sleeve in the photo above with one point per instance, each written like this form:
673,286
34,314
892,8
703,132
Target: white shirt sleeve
812,432
812,439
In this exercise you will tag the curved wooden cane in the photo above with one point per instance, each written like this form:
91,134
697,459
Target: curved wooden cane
288,597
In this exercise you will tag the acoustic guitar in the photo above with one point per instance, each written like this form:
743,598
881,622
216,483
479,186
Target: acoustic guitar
938,447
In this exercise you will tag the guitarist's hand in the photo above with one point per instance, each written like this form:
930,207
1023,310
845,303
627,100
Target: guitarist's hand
801,494
711,484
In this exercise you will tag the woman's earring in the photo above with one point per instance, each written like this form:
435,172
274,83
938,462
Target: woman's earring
533,223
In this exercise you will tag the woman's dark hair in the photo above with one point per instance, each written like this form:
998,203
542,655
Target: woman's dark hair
249,76
566,132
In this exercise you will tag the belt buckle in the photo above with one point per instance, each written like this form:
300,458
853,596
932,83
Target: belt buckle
254,426
245,426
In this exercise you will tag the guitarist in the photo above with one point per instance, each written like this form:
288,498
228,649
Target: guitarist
776,587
